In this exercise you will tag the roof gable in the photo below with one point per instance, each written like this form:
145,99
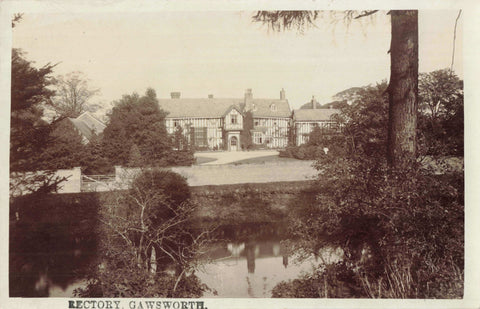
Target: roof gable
233,107
87,124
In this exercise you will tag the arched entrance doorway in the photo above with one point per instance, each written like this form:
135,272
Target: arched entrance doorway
233,143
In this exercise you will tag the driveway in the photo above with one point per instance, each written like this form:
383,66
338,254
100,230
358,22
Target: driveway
226,157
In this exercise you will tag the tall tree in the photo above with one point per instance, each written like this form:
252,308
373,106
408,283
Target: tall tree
73,94
403,87
439,92
29,134
441,120
137,120
246,134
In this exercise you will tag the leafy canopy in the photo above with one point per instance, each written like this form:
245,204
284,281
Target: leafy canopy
137,120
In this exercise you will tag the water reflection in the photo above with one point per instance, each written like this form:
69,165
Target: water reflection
250,262
51,243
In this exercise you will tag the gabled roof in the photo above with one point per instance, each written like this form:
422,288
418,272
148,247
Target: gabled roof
231,108
319,114
86,124
199,108
217,108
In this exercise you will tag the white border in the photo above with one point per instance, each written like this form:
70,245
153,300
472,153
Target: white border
471,20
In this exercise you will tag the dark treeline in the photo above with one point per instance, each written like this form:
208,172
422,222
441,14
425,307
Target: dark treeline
135,134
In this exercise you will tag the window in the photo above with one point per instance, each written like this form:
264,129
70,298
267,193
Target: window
256,123
233,119
257,137
200,136
273,107
175,123
254,107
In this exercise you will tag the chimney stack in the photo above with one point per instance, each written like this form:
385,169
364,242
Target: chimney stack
248,94
248,100
175,95
282,94
314,103
210,96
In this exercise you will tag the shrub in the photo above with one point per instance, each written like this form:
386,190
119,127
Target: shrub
145,230
401,230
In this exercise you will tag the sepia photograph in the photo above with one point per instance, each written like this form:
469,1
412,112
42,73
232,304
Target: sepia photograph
202,154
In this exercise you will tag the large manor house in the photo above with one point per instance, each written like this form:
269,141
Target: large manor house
217,123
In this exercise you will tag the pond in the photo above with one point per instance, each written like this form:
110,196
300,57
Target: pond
246,261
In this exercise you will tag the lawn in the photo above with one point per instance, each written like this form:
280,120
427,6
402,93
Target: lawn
266,159
201,160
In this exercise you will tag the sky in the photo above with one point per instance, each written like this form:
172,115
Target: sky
223,52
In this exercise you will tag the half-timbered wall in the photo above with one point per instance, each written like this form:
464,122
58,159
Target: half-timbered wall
233,120
274,133
213,125
303,129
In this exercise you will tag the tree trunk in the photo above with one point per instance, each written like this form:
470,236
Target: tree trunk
403,87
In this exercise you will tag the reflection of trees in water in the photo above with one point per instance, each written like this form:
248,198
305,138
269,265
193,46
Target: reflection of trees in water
250,241
250,250
51,243
251,231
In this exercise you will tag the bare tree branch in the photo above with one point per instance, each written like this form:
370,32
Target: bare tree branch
366,13
454,38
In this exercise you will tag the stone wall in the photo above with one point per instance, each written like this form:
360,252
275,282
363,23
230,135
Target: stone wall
249,203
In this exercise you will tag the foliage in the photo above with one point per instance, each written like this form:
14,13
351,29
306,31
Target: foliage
364,122
145,230
338,104
332,281
139,120
285,20
72,95
17,17
135,159
441,113
401,230
29,134
67,150
364,127
94,161
50,235
246,133
403,84
180,140
136,283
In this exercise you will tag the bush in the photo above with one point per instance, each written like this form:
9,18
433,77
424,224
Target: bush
401,230
146,230
333,281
